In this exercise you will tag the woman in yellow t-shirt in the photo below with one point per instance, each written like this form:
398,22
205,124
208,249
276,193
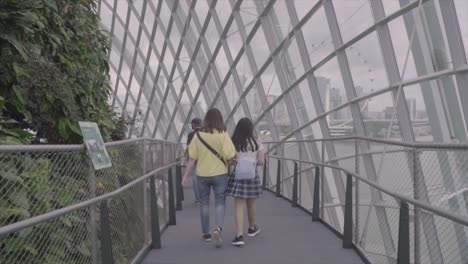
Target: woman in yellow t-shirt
211,149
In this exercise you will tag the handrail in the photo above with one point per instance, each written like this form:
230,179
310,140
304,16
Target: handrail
454,217
62,211
431,145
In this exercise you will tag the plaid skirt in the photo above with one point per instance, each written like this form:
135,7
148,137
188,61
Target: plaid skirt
246,189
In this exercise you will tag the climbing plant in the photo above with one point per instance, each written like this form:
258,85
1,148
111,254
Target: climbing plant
53,73
53,70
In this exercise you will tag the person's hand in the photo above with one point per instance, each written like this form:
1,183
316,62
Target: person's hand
185,182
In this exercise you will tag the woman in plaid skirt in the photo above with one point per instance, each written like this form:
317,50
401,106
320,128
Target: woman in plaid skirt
244,183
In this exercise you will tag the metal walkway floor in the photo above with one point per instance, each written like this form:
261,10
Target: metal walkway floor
288,236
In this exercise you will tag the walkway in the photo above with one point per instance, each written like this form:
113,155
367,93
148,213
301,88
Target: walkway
288,236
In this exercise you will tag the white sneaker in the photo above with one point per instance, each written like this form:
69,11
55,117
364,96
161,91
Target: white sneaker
216,235
253,231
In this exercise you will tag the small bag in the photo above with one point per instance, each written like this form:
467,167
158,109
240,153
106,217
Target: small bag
246,169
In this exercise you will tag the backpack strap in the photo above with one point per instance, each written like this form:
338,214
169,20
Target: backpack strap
211,149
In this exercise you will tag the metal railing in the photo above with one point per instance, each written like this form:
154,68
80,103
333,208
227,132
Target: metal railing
57,209
409,213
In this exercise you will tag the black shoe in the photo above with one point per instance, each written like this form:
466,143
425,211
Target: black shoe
238,241
253,231
206,237
218,240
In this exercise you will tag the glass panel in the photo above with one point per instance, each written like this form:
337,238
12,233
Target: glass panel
201,10
234,40
296,67
231,92
106,16
249,15
270,81
462,12
165,14
122,8
138,6
134,25
254,104
144,43
212,36
343,126
149,18
366,65
303,7
318,39
223,11
377,113
392,6
258,45
119,30
418,113
353,17
243,69
438,116
280,16
329,76
222,64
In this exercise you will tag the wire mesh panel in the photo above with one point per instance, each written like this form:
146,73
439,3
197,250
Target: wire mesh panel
432,175
62,240
36,182
40,179
126,217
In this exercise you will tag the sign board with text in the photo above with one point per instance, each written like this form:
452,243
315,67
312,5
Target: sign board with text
95,145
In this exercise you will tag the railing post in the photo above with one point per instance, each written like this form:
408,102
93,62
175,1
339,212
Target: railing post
356,191
155,232
316,201
322,192
294,201
172,211
348,217
278,179
106,240
417,211
403,235
265,167
178,188
92,212
146,205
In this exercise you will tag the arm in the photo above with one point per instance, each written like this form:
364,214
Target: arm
260,155
193,154
188,170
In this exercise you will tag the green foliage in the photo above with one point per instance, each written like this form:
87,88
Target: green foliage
53,70
34,188
53,73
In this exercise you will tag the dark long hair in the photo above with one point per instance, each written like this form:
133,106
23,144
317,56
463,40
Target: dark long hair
244,136
213,121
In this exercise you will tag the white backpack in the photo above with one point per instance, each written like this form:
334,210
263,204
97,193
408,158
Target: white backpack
246,166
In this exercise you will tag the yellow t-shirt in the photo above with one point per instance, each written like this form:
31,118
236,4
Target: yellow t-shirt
207,163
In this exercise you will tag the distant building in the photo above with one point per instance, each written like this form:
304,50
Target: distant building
335,101
280,111
375,115
421,114
411,102
388,112
323,85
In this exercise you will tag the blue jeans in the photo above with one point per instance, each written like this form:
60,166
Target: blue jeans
195,186
204,187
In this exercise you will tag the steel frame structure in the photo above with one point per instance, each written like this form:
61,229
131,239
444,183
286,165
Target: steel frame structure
443,87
